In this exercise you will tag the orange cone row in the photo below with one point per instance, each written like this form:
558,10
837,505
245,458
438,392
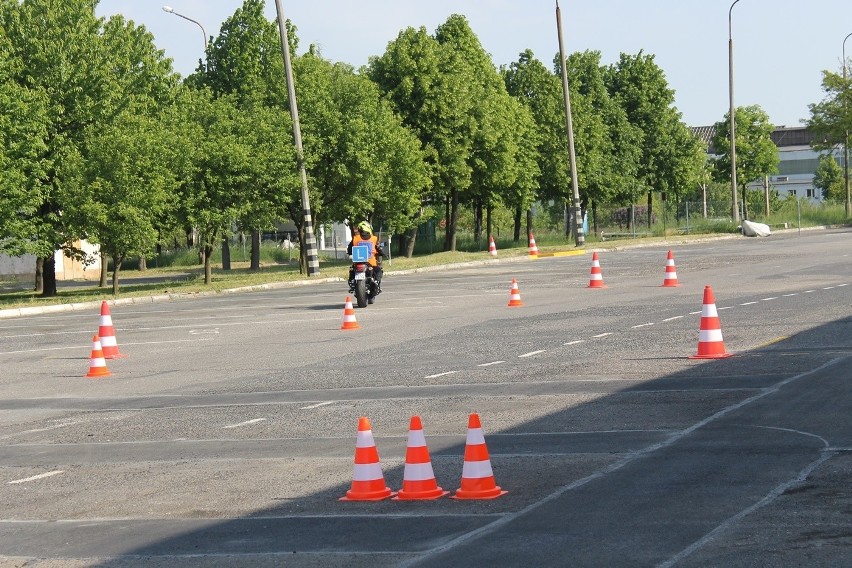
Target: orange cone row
104,346
492,248
419,481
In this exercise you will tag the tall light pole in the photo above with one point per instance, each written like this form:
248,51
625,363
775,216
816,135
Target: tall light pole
171,10
310,241
578,216
735,211
846,136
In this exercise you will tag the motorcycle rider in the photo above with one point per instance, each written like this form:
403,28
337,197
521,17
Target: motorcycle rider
365,236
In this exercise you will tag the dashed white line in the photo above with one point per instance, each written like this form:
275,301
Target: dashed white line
842,285
768,299
642,325
603,334
531,353
674,318
725,308
439,375
246,423
574,342
793,294
748,303
489,364
694,313
808,291
317,405
829,288
36,477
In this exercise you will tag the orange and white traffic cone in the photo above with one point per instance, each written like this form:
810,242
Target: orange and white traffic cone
671,272
107,334
349,321
710,343
418,479
368,483
97,364
477,477
596,278
533,250
492,248
515,298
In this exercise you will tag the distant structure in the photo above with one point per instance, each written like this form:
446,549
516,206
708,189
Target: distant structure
797,164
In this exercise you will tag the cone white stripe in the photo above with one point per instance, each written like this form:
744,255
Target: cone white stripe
596,277
106,320
671,275
416,439
477,469
418,472
364,439
709,311
98,362
108,341
709,335
367,472
475,436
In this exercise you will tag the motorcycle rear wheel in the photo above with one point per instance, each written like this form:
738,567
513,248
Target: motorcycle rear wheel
361,293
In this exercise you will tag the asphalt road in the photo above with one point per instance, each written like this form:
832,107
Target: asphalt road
227,434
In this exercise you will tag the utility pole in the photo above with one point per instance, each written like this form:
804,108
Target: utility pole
735,211
310,241
579,237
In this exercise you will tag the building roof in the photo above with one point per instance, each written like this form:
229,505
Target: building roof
781,136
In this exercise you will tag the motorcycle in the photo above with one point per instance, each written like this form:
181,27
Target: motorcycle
362,277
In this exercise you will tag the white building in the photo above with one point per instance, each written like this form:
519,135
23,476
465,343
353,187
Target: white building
22,268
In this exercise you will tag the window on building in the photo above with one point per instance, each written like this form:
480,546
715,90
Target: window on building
811,192
792,192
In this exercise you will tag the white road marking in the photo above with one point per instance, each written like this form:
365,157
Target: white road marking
842,285
768,299
246,423
214,331
36,430
531,353
829,288
674,318
574,342
439,375
602,334
725,308
36,477
793,294
748,303
317,405
808,291
123,344
694,313
642,325
489,364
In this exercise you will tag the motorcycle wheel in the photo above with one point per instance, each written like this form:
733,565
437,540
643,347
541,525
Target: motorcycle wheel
361,293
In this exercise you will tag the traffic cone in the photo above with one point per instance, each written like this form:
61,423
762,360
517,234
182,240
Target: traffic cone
492,248
477,477
418,479
97,365
515,298
368,483
671,273
710,343
107,334
349,321
533,249
596,279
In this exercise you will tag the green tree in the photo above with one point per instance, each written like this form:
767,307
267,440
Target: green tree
757,155
829,179
831,118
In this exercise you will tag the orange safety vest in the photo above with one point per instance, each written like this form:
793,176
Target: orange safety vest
372,243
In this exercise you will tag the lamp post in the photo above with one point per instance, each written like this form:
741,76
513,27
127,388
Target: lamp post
846,136
735,211
171,10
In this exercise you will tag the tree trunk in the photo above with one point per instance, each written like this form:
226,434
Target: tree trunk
566,217
489,222
255,250
452,225
517,228
650,209
410,240
477,221
116,268
226,253
143,264
745,203
447,214
49,277
104,270
529,225
39,275
207,252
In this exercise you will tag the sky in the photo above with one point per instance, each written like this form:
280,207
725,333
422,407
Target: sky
781,47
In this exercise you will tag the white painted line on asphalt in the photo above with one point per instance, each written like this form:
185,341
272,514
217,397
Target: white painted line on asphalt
489,364
808,291
36,477
725,308
317,405
531,353
642,325
793,294
828,287
694,313
674,318
574,342
748,303
36,430
768,299
246,423
602,334
842,285
439,375
79,347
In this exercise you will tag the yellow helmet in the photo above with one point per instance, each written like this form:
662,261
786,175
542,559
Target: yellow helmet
364,227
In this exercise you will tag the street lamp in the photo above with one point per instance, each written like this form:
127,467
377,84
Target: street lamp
846,136
735,212
171,10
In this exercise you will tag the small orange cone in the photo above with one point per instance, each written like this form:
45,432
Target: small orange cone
368,483
418,479
710,343
671,273
107,334
349,321
492,248
97,365
477,477
596,279
515,298
533,249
